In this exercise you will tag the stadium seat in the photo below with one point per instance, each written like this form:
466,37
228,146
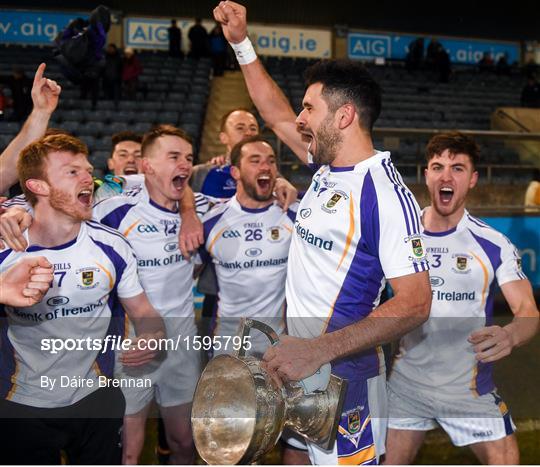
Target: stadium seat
168,117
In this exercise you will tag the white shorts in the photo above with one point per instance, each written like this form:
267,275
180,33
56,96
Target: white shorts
171,379
361,434
465,418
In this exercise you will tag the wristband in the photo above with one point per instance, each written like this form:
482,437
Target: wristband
244,51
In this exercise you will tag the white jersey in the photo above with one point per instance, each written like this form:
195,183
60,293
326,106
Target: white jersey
356,227
465,265
153,232
90,273
249,249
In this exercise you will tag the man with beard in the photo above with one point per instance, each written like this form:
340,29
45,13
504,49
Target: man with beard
443,372
148,217
60,397
247,239
357,227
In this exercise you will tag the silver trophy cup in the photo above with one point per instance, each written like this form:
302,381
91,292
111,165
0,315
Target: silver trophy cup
238,414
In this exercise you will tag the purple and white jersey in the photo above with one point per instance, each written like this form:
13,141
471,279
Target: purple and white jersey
466,263
356,227
90,273
152,230
249,249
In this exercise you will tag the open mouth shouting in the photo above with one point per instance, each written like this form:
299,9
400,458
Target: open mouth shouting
85,197
446,194
264,182
130,170
179,182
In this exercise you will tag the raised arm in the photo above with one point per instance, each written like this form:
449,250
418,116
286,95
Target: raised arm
45,93
270,101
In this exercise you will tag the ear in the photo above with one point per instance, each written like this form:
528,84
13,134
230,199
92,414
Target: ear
235,173
345,115
474,180
110,164
38,187
223,138
146,166
425,175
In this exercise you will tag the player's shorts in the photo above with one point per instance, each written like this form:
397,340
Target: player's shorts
88,431
361,433
466,418
171,379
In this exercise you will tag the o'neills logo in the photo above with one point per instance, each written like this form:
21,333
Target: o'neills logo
308,237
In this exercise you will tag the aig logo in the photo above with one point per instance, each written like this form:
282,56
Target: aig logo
231,234
147,228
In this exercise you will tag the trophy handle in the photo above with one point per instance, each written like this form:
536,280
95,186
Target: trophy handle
246,324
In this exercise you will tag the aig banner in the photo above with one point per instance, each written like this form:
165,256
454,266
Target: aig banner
33,27
524,232
291,42
151,33
368,46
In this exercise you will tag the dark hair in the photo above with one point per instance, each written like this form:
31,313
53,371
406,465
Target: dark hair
346,81
236,151
125,136
456,143
156,132
225,117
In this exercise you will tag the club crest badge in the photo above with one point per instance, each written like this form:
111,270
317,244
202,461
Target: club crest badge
418,249
336,197
353,419
87,278
462,264
275,234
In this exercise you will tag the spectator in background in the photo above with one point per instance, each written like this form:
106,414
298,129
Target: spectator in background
442,64
218,50
431,53
415,56
79,51
486,63
175,40
198,40
532,195
530,94
503,67
112,74
21,99
131,70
